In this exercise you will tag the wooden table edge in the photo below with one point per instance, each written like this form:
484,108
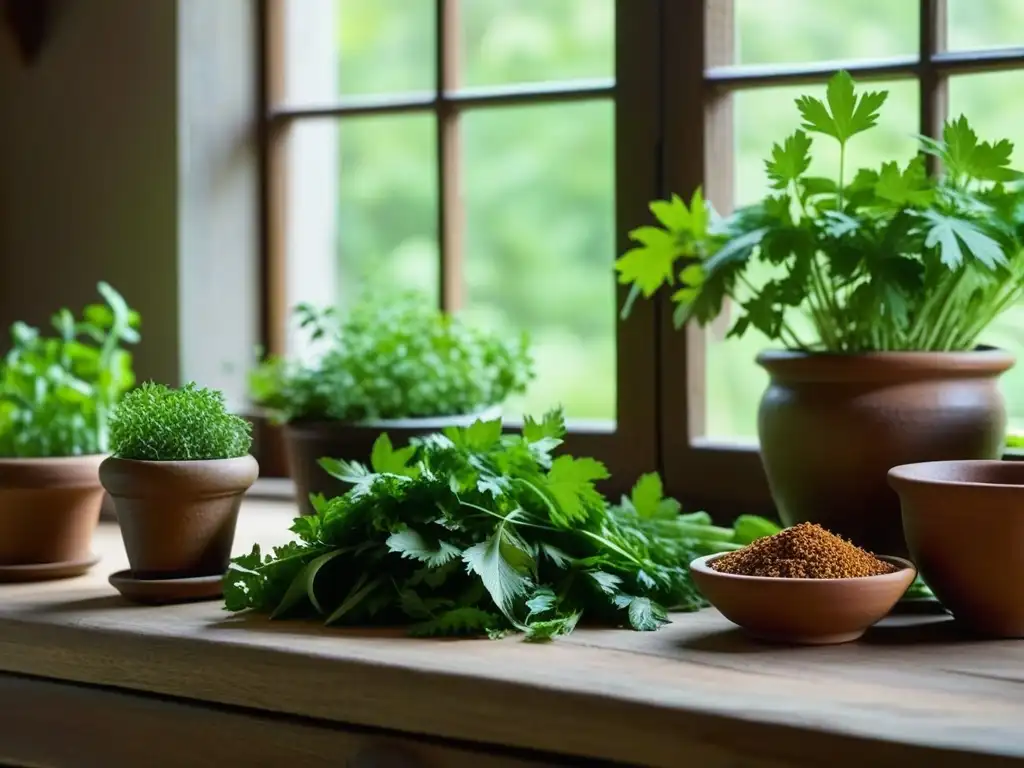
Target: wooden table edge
567,722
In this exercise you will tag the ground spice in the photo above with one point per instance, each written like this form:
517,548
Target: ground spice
805,551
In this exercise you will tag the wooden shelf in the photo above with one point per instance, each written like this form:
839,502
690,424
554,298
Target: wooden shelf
696,692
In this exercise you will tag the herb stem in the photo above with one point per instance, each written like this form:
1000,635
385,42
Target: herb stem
842,167
505,518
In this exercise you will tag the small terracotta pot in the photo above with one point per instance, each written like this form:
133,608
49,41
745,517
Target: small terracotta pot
831,427
308,442
49,509
178,518
964,522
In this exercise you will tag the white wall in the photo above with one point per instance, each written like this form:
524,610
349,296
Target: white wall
126,154
311,157
218,193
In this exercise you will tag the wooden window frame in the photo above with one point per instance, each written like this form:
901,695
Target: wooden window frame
673,60
629,447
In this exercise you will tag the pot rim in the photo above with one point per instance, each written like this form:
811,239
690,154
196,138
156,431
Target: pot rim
416,422
25,461
196,478
793,365
184,463
913,474
51,473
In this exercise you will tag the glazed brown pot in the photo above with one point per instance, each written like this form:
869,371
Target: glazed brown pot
49,509
308,442
831,427
964,522
178,518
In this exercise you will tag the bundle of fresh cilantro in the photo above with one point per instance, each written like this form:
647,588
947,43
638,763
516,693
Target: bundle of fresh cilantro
473,531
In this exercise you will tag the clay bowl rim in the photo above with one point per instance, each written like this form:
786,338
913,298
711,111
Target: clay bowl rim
916,473
702,565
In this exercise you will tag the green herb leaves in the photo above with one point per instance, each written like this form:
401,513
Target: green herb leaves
893,258
413,545
56,393
965,157
478,532
958,239
789,161
392,356
845,114
504,566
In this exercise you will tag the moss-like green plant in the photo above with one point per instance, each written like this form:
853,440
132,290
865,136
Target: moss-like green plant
158,423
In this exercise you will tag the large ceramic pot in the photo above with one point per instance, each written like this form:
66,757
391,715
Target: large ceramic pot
178,518
831,427
308,442
49,509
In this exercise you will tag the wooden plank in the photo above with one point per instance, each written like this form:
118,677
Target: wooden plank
695,688
105,729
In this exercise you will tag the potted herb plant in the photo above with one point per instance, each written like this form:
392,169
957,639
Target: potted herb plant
179,468
56,394
876,283
392,361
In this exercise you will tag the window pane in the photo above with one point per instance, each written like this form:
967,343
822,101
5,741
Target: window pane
536,40
983,99
539,188
762,117
794,31
336,48
979,24
361,206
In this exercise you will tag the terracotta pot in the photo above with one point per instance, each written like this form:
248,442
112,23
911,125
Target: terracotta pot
964,522
308,442
831,427
178,518
49,509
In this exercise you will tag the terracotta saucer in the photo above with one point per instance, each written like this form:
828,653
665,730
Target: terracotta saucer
166,591
11,574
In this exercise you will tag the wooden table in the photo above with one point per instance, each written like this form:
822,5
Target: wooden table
90,680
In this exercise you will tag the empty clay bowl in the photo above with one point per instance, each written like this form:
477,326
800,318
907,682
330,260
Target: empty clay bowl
964,523
802,611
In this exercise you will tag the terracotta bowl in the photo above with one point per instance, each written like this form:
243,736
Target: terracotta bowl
802,611
964,523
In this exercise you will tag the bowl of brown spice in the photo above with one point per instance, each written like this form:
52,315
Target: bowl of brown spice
803,585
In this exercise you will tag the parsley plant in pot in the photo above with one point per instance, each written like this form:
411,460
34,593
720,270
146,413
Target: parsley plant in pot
391,362
876,283
56,395
179,469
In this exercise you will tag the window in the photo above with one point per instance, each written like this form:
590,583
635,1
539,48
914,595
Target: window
496,154
489,153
